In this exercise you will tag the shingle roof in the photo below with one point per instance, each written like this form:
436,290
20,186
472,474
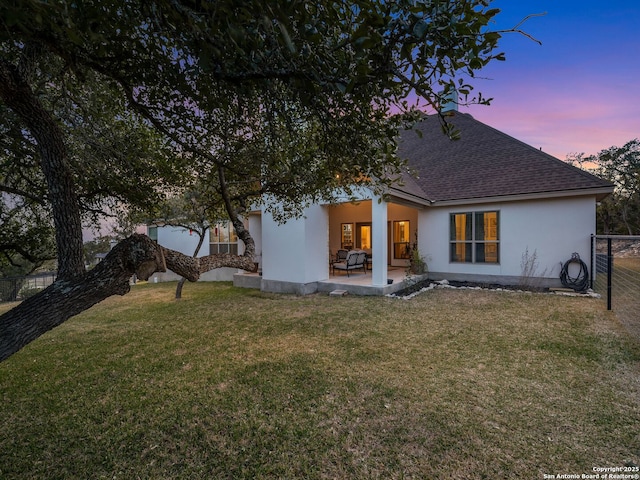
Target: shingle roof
485,163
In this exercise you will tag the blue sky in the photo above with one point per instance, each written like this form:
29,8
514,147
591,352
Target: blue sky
579,91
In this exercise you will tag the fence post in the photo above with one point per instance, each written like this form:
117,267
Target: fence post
609,272
593,256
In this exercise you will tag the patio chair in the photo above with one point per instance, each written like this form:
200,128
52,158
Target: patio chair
369,260
341,256
354,261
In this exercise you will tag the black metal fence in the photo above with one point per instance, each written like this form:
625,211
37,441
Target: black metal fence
13,289
615,274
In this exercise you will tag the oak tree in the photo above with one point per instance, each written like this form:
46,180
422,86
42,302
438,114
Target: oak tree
619,213
191,82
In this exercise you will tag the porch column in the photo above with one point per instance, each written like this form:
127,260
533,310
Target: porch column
379,240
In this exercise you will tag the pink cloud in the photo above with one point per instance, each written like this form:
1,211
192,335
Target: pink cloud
564,118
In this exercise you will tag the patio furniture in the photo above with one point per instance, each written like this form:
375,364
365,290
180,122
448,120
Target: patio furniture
341,256
355,260
369,258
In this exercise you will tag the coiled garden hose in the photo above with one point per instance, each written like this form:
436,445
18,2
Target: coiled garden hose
580,282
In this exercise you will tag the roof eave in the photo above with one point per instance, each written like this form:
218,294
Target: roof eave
402,197
599,193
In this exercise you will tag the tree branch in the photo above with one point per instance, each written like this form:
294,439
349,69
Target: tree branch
515,29
22,193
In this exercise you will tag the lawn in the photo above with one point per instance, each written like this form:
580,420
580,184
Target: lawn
625,301
235,383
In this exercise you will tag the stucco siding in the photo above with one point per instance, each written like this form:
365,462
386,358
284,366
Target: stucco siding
179,239
298,250
550,229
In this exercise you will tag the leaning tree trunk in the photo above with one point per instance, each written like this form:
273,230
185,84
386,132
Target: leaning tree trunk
76,290
66,298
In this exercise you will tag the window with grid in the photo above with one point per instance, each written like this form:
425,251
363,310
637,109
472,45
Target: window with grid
223,239
474,237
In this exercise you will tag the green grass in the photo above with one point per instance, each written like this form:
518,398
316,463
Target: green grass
234,383
625,300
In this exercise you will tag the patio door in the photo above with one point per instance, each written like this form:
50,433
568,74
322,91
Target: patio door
401,239
363,236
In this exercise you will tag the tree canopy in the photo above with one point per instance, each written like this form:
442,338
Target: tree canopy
122,102
619,213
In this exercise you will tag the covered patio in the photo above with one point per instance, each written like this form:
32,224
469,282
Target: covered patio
300,258
357,283
360,283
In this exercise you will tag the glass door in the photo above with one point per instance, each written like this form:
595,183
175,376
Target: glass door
401,242
363,236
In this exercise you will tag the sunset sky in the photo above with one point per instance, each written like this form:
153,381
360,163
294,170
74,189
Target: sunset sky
578,92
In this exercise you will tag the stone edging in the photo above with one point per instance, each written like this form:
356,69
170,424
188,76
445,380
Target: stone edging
445,284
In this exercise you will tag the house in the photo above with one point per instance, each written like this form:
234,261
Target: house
477,209
219,238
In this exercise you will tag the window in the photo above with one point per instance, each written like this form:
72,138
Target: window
474,237
347,236
223,239
401,243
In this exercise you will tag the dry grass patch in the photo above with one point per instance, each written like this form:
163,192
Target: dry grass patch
233,383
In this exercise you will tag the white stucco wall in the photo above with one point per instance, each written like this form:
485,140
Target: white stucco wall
553,229
179,239
254,225
298,250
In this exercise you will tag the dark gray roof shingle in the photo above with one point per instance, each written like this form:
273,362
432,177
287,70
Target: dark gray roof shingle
485,163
